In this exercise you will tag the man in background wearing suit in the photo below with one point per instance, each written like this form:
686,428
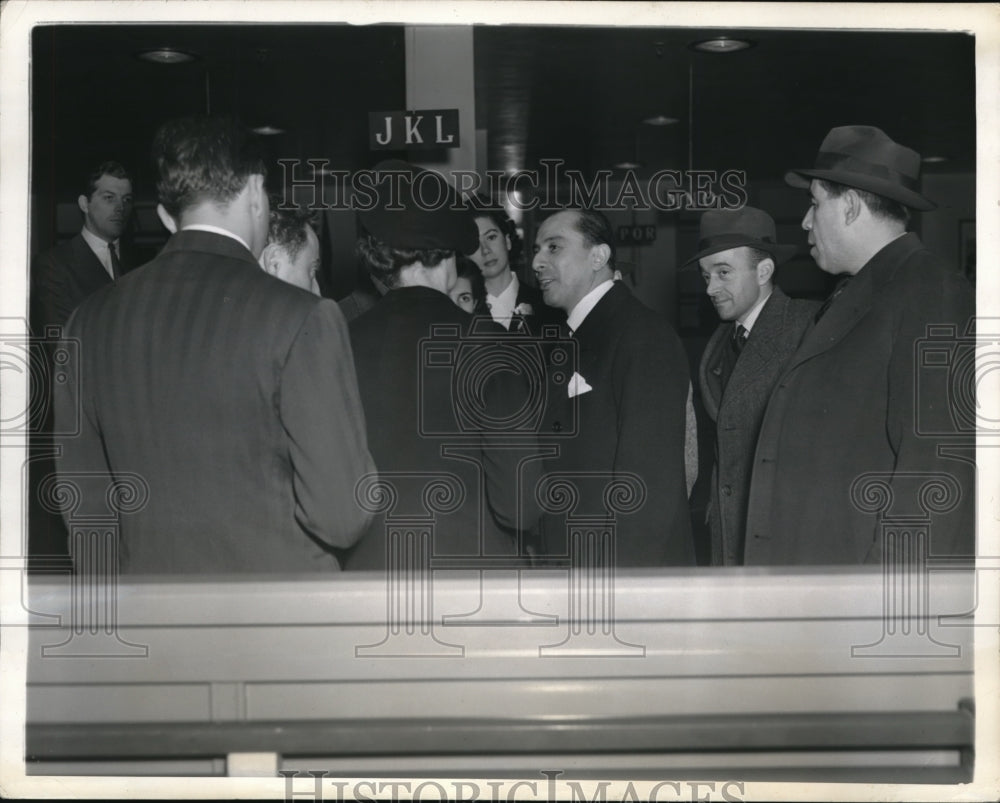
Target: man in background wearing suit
66,274
760,329
853,404
61,278
629,393
230,394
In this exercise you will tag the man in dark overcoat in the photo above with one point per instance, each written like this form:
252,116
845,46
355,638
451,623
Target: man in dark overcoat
761,326
857,433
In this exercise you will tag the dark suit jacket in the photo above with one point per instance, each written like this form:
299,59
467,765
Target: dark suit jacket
410,403
853,400
541,313
737,408
631,421
233,395
64,276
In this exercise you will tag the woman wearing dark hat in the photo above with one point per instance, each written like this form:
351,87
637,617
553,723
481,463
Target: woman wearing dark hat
407,351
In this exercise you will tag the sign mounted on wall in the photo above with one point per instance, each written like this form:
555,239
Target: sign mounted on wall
431,128
636,235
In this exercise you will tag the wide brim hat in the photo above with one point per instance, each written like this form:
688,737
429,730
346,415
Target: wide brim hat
864,157
412,208
723,229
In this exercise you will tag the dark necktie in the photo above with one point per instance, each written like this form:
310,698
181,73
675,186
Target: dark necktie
833,297
739,338
116,265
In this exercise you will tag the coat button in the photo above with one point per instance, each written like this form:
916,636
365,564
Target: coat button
556,426
727,490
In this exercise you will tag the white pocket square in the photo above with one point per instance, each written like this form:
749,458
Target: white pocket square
578,386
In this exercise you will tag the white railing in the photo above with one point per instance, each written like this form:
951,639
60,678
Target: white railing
765,673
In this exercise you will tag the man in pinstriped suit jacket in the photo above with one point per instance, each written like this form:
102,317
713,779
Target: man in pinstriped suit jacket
230,393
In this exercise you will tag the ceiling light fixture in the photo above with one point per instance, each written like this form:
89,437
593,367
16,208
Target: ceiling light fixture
722,44
934,159
660,119
268,130
167,55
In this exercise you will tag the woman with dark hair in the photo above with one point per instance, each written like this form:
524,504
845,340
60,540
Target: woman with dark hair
514,305
469,291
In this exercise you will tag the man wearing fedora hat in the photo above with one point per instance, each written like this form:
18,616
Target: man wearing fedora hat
849,405
409,244
760,329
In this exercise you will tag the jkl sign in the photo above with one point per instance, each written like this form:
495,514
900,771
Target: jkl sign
433,128
636,235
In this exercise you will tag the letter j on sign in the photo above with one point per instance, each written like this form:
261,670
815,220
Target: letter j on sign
431,128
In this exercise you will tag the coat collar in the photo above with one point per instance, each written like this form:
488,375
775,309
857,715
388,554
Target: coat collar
210,243
598,322
756,354
856,299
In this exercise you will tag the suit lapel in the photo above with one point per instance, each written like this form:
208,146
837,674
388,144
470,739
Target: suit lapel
760,346
92,275
594,326
839,319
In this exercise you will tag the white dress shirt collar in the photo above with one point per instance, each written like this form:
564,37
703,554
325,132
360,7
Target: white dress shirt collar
750,318
100,248
586,304
502,306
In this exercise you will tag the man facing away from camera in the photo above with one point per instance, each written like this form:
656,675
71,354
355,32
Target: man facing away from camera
625,403
737,254
850,411
228,396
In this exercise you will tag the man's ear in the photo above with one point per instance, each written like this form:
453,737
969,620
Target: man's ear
600,254
852,206
270,258
84,203
168,220
765,271
257,193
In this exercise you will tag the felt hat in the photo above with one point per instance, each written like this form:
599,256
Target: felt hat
722,229
864,157
415,208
